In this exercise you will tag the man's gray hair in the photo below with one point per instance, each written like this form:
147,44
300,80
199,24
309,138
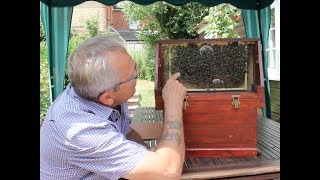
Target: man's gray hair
89,70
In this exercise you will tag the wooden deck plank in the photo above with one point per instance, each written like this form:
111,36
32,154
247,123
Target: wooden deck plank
236,160
267,139
188,163
259,167
207,161
265,131
269,144
195,162
230,160
268,125
275,155
250,159
216,161
260,155
269,130
263,128
274,176
223,161
260,145
270,151
255,158
269,121
243,160
265,154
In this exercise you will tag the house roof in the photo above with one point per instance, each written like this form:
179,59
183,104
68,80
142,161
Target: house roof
201,26
127,35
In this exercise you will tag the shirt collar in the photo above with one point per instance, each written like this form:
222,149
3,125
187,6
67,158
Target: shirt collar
95,107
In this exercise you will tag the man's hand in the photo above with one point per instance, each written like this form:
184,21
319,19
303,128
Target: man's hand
173,93
166,161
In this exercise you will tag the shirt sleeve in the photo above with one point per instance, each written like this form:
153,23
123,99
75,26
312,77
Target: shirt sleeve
104,150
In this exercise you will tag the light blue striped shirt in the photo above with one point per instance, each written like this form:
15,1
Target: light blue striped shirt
81,139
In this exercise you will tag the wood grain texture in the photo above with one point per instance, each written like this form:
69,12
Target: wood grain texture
215,128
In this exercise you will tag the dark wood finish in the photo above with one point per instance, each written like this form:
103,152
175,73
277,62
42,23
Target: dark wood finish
265,165
258,66
159,81
213,126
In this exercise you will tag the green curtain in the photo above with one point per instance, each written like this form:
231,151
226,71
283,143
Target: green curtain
257,24
242,4
57,22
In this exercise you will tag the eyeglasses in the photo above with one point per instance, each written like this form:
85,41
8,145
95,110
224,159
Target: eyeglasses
135,76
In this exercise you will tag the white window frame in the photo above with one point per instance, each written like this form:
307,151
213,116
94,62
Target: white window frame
274,71
134,24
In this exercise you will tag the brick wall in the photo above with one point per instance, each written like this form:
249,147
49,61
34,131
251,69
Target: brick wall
240,28
118,21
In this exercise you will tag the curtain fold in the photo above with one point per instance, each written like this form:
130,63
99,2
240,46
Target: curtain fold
57,22
257,25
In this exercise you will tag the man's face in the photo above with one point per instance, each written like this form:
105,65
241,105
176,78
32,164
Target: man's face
124,63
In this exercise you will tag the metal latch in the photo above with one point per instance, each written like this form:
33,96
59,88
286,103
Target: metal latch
185,102
236,101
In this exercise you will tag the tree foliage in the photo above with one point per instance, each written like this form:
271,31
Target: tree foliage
222,20
44,80
162,20
42,32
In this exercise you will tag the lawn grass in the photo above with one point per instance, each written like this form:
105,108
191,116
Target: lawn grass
146,90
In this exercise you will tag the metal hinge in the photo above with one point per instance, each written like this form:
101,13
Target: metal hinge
185,102
236,101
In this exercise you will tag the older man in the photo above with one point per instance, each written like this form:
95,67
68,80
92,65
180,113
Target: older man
86,132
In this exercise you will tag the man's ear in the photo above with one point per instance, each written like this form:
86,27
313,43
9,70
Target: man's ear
106,98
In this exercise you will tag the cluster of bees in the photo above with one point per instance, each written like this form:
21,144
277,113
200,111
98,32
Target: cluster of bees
207,66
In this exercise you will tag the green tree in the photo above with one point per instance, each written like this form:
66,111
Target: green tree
163,21
222,20
92,26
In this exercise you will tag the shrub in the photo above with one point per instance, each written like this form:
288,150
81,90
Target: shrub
145,64
42,32
44,81
92,26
